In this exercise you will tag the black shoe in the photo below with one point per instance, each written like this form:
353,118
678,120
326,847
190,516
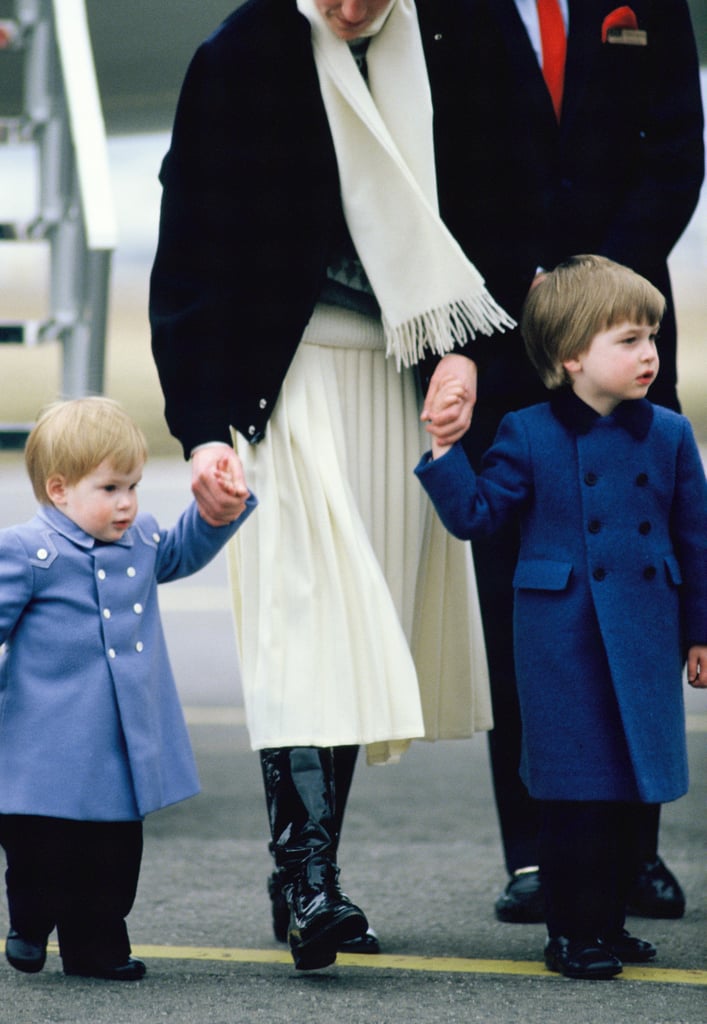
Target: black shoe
522,901
322,917
629,949
367,943
24,954
578,958
131,970
656,892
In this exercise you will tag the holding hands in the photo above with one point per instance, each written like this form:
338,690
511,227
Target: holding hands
449,402
218,484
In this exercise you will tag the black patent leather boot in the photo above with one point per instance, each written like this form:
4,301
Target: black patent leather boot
300,796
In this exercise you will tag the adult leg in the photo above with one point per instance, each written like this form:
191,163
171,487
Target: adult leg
301,801
345,758
654,890
495,559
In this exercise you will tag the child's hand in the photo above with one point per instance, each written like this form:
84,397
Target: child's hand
697,667
438,448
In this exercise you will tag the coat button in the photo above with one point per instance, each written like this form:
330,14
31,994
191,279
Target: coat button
599,574
137,608
156,538
644,528
130,571
590,479
101,574
649,572
139,646
251,430
262,403
111,652
641,480
594,526
106,613
42,554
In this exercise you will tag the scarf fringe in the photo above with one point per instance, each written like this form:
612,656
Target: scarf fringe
444,329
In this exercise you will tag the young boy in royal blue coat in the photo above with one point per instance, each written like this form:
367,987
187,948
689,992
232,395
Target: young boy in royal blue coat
92,735
610,590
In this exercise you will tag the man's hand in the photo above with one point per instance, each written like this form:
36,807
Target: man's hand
450,399
697,667
218,484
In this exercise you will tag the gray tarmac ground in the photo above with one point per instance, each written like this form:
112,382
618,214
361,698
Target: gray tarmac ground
420,849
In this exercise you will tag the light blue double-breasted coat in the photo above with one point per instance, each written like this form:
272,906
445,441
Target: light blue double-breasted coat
610,587
91,726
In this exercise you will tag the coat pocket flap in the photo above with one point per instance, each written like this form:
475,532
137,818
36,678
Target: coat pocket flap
542,575
673,567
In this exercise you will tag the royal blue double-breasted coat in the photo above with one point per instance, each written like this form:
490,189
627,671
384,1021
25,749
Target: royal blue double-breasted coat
610,587
91,726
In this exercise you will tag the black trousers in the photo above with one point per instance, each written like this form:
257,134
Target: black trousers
78,876
588,858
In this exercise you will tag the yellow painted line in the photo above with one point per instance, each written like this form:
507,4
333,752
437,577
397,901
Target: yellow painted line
381,962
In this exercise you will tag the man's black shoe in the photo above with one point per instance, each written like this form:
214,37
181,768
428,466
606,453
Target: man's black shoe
578,958
656,892
25,954
522,901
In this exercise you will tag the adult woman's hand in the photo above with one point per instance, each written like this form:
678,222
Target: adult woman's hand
450,399
218,484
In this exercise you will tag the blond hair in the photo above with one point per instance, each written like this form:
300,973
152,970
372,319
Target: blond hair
576,301
71,438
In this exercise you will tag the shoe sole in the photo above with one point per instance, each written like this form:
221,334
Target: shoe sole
321,951
26,966
599,975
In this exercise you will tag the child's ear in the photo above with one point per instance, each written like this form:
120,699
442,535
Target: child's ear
572,366
56,489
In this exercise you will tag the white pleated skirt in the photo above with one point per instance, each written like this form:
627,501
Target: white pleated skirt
356,613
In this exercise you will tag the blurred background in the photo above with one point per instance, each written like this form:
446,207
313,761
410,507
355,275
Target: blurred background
141,51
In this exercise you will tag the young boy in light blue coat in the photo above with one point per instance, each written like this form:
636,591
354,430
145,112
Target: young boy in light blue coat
610,590
92,735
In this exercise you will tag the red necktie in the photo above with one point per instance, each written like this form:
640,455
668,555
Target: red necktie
554,44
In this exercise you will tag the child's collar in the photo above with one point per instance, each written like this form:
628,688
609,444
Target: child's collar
635,415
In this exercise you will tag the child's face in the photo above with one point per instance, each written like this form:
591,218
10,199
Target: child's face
621,363
103,503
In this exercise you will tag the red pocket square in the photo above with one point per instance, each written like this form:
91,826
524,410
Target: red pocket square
621,17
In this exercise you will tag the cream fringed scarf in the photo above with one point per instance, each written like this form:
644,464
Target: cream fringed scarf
431,296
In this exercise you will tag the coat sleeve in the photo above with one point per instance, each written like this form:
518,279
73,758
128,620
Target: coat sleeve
191,543
475,505
689,530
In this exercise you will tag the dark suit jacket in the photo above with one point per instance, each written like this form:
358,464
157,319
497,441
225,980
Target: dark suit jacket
619,176
251,190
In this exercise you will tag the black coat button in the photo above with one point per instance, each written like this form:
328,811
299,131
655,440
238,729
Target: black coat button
649,572
644,528
599,574
641,480
594,526
590,479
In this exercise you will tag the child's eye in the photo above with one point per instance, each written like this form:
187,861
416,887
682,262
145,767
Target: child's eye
109,488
